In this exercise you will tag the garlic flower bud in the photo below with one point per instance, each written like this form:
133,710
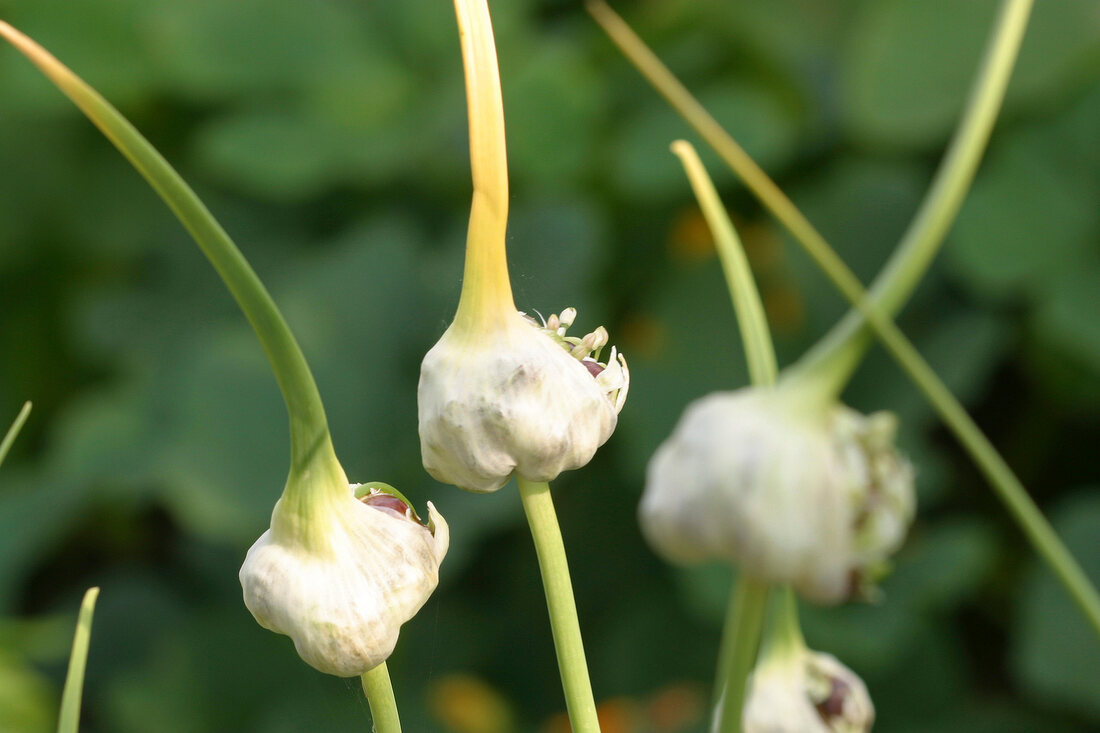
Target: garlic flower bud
339,575
802,691
523,397
793,493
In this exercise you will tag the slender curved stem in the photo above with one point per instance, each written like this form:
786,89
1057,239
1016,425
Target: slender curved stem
759,350
843,347
383,707
846,343
753,176
543,520
784,632
69,718
308,426
1005,484
13,431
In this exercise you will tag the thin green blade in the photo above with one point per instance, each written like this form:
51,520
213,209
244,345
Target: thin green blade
13,431
69,720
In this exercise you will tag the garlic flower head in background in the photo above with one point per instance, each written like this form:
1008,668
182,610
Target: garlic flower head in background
790,491
501,393
339,574
796,690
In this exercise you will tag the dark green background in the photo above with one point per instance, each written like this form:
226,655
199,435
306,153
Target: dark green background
329,138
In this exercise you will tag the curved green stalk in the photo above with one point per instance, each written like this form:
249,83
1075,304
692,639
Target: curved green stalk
737,650
13,431
1005,484
69,719
383,706
680,99
843,347
759,351
784,632
308,426
543,520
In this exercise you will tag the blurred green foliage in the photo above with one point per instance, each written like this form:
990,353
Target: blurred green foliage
329,138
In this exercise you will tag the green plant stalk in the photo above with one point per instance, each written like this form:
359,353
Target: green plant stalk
784,632
13,431
737,650
69,719
842,349
539,508
1005,484
681,100
383,705
938,210
309,437
759,350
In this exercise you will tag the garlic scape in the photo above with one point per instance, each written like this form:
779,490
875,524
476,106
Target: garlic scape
336,574
501,393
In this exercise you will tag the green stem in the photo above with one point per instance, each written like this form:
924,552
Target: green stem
737,652
539,507
843,347
677,95
759,351
69,719
1000,477
13,431
383,706
308,426
784,633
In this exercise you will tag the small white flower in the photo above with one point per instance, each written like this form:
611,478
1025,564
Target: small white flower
802,691
519,397
339,575
792,493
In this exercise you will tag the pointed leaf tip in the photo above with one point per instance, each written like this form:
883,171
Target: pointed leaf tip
69,719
